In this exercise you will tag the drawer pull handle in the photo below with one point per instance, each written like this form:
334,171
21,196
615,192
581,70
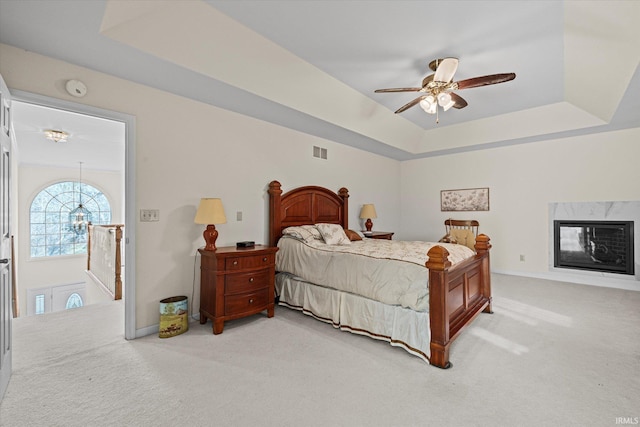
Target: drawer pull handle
235,262
251,279
264,259
251,301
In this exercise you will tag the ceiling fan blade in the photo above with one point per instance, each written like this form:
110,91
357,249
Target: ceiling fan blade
459,102
446,69
410,104
399,89
485,80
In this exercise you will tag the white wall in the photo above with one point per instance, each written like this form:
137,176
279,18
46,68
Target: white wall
44,272
523,180
186,150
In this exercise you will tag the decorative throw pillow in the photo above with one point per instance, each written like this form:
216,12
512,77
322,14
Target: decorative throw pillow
448,238
298,233
464,236
333,234
352,235
313,230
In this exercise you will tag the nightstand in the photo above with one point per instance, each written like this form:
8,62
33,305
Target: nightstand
383,235
235,283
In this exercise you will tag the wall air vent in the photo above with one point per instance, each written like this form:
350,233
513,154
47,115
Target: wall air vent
320,153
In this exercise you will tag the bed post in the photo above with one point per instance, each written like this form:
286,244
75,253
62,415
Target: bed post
275,191
482,248
344,195
438,264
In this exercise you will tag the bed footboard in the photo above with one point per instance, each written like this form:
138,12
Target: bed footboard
456,296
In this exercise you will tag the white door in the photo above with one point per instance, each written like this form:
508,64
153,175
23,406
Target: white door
5,239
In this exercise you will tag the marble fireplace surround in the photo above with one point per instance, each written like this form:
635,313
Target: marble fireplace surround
597,211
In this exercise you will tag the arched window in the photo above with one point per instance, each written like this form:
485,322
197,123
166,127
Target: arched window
51,233
74,301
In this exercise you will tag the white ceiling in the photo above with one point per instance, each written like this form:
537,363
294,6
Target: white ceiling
98,143
313,66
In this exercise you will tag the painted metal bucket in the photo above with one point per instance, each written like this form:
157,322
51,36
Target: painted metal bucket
174,316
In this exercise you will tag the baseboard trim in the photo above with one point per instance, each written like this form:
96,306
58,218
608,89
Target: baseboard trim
155,329
631,284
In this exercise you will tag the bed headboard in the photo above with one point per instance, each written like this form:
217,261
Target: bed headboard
305,206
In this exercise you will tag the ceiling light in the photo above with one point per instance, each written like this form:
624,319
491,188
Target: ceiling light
445,101
429,104
439,88
56,135
80,217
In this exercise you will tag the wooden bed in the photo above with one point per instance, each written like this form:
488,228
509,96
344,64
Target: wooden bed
456,294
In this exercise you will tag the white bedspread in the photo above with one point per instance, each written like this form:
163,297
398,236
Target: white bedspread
389,271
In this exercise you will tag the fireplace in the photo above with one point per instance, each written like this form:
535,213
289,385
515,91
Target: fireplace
605,246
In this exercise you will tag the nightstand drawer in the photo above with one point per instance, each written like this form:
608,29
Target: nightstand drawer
240,303
242,262
246,282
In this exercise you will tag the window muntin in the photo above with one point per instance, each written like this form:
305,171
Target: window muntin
50,232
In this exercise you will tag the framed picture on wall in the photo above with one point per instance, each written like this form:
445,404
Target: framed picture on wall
469,199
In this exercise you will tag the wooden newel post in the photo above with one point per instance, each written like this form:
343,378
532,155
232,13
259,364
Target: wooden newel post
117,295
438,264
482,246
89,232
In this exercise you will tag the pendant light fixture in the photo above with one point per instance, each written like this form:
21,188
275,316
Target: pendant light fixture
80,217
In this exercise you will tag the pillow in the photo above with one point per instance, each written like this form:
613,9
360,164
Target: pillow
313,230
464,236
298,233
352,235
333,234
448,238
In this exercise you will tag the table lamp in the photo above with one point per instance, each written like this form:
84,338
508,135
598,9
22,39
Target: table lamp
368,211
210,212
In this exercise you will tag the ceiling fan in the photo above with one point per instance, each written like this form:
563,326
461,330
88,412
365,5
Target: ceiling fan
438,88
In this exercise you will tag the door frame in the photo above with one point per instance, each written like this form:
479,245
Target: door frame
129,189
6,243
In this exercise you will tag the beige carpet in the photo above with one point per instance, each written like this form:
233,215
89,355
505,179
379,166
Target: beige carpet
552,354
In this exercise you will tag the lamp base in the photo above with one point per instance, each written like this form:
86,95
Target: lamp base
210,235
369,224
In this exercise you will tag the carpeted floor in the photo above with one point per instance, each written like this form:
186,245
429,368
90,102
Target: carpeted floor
552,354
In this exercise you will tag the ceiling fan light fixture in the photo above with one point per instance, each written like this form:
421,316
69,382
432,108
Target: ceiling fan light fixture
445,101
429,104
440,85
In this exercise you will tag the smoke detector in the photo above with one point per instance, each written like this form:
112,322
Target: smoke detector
76,88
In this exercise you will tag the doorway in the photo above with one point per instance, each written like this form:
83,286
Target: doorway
86,140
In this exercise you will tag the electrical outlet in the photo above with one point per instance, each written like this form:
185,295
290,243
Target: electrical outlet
239,216
149,215
522,258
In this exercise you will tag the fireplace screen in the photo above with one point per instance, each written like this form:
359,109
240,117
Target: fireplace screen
605,246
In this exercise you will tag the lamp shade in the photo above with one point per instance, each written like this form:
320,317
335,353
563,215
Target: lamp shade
368,211
210,211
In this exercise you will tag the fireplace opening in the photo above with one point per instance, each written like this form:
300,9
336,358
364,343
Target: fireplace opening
605,246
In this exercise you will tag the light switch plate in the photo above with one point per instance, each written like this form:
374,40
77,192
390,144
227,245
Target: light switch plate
149,215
